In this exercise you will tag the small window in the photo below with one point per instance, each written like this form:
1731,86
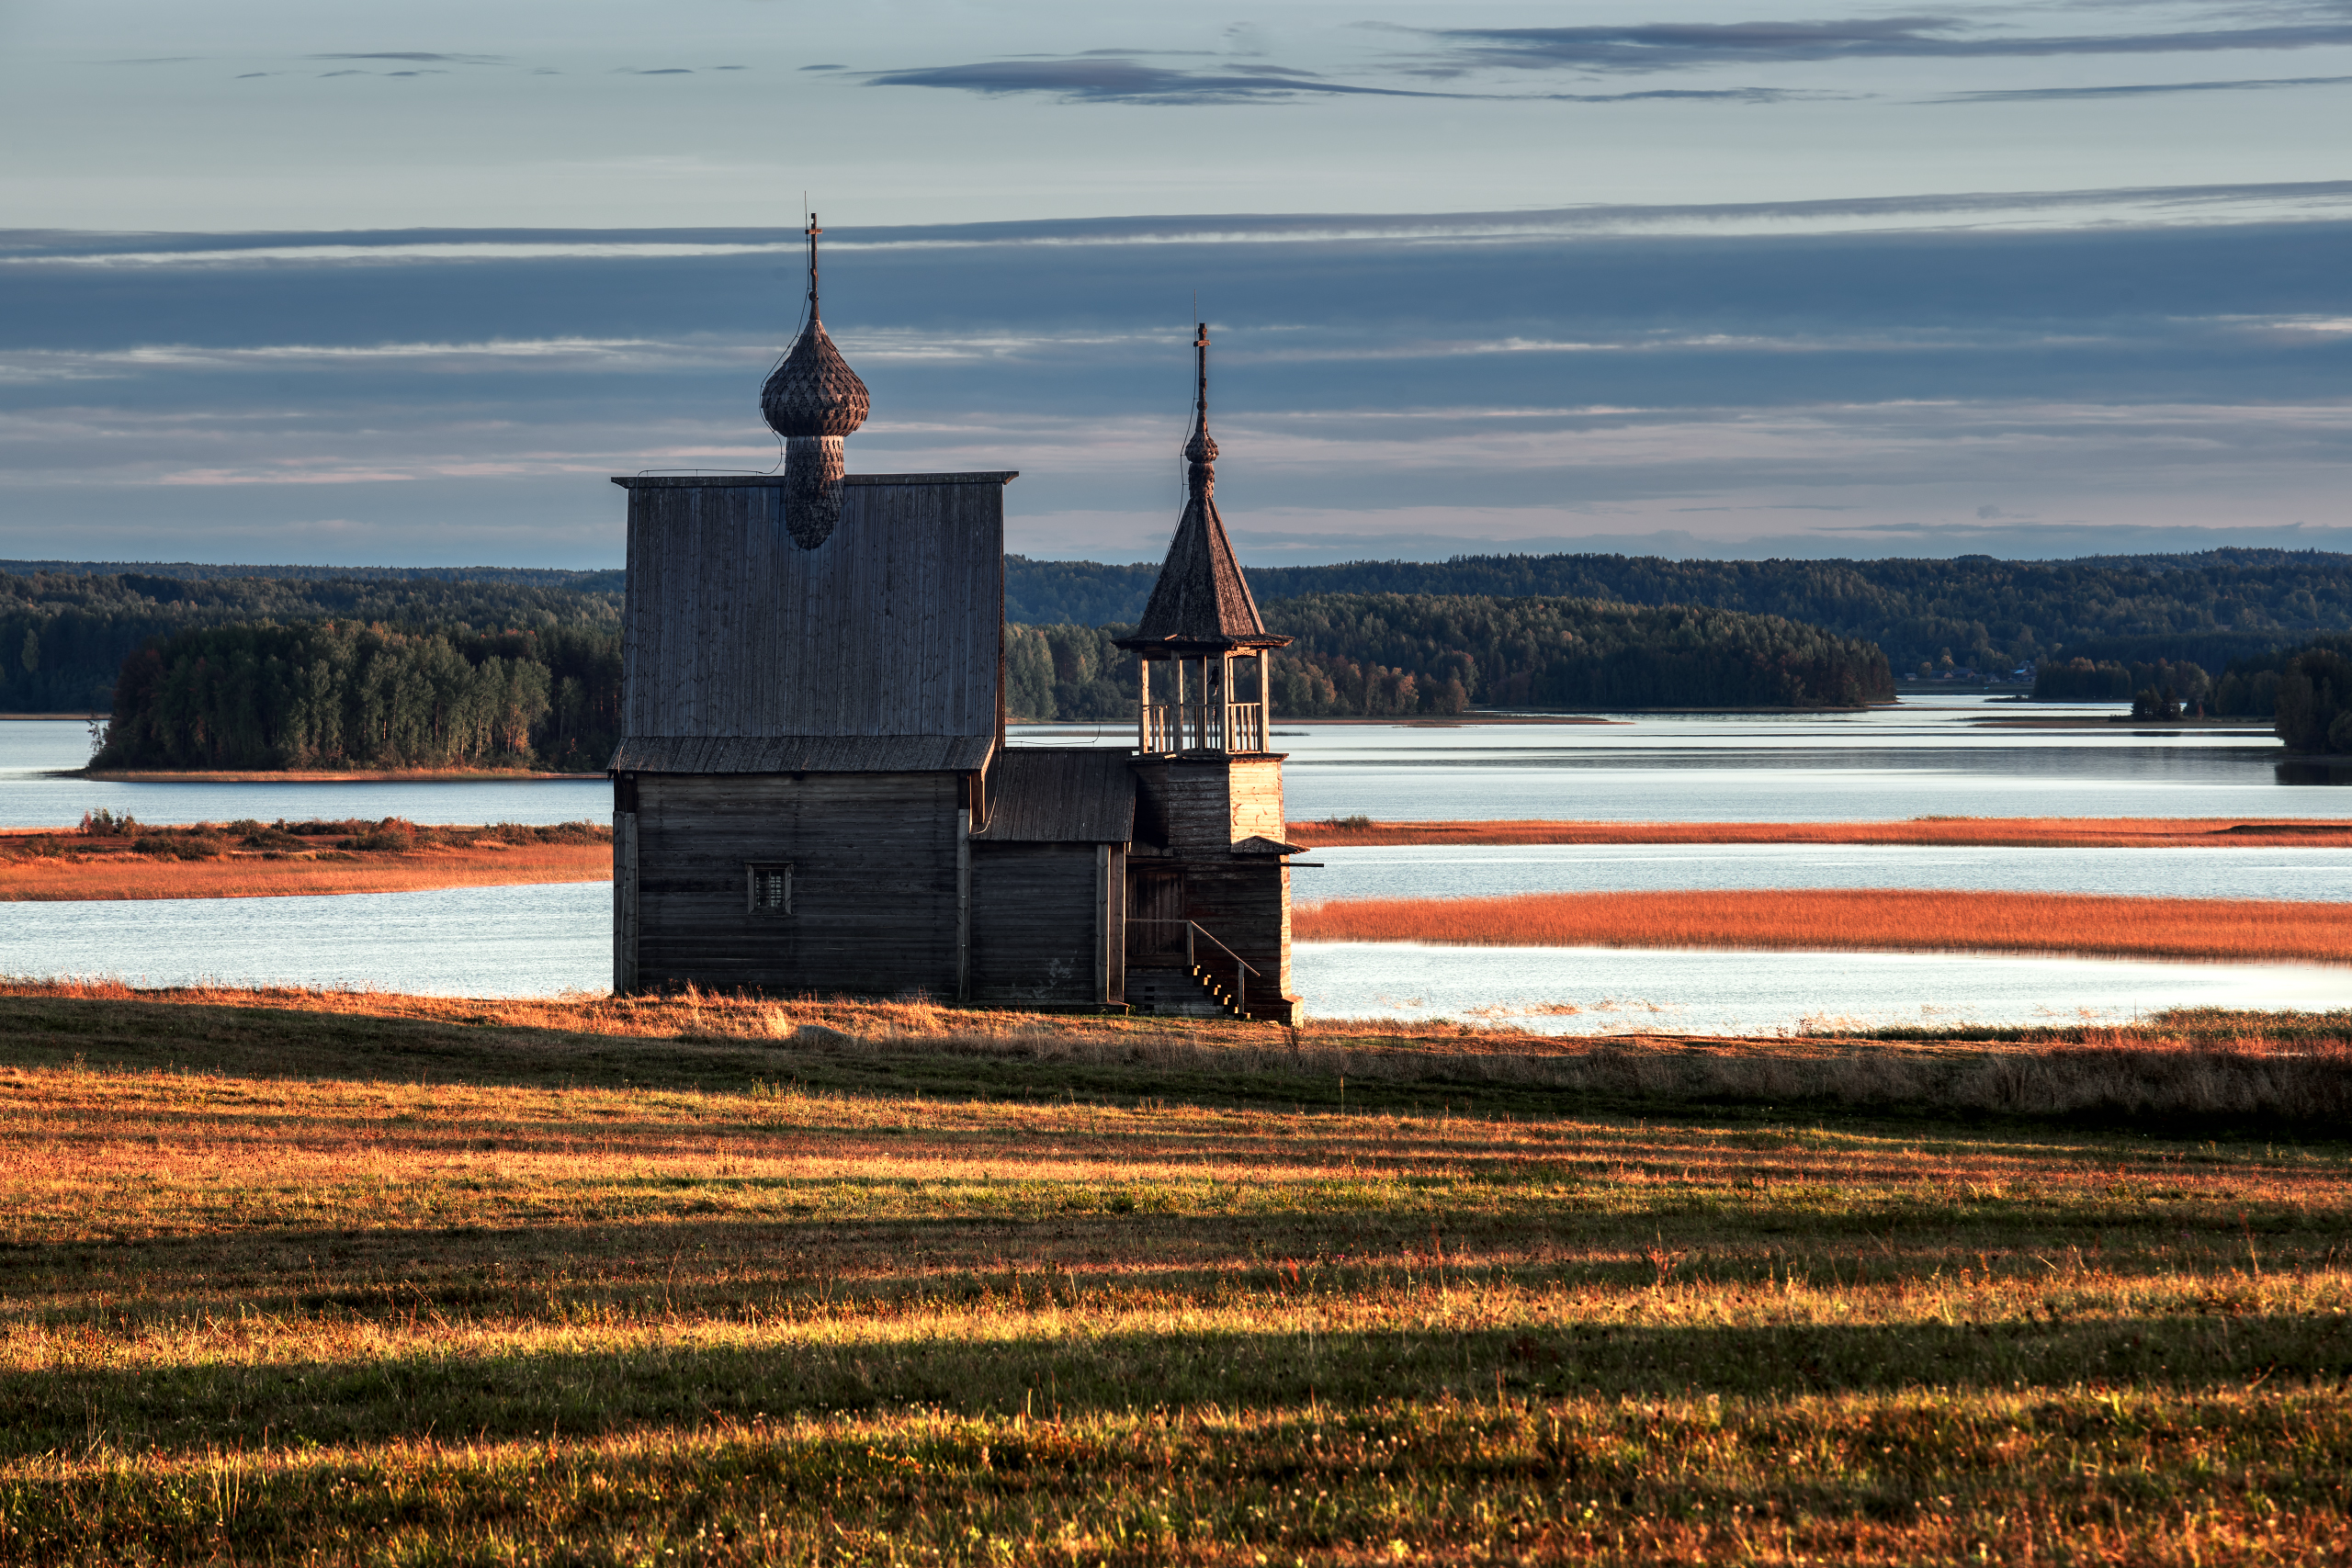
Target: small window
770,890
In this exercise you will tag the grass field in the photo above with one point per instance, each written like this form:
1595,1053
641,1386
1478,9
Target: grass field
298,1278
1867,919
2028,833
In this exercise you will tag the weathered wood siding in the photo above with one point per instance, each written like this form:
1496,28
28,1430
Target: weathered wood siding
1038,926
891,626
1207,805
874,882
1256,790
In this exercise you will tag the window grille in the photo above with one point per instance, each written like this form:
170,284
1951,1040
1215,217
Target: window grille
770,890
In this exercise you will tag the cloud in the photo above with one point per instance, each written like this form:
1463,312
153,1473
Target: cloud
1107,79
824,68
419,57
664,71
1665,46
2137,90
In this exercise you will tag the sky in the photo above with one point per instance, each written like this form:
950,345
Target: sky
403,285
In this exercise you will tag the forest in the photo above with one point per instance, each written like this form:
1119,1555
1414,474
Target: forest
341,695
64,634
1380,654
2208,607
2306,691
65,629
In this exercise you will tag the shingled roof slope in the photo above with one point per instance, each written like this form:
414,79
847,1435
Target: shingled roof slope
1200,596
1060,795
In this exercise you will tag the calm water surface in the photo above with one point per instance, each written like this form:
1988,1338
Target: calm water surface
489,942
1475,870
1932,758
35,753
1923,758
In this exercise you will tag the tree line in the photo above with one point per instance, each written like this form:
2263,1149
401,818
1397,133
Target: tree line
2207,607
341,695
64,634
1374,655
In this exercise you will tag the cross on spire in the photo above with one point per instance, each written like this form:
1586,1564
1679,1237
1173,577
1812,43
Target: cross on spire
812,231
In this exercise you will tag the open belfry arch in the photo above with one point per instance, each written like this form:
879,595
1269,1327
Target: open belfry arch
814,793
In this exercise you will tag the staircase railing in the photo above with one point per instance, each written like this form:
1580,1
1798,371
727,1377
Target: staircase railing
1243,969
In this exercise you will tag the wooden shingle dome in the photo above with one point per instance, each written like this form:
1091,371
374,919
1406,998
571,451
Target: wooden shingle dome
812,400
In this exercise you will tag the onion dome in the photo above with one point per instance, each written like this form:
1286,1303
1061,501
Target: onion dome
812,400
814,391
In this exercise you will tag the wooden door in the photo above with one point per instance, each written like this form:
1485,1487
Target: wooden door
1155,914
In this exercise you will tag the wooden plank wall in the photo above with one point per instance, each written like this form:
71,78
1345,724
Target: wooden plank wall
1208,803
874,882
891,626
1036,924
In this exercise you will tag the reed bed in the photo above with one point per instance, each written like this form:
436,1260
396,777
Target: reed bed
109,858
1887,919
117,877
356,1278
2030,832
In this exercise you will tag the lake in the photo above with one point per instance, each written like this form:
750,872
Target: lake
1919,758
1924,756
489,942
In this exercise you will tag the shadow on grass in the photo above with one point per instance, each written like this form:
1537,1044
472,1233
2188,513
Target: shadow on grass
1007,1366
269,1042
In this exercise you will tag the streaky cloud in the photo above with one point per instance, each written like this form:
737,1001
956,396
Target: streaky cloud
1666,46
2136,90
421,57
1091,79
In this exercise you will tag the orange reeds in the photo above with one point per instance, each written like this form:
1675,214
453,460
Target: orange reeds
1859,918
2056,832
111,877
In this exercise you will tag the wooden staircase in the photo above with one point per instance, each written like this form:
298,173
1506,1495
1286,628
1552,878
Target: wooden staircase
1181,993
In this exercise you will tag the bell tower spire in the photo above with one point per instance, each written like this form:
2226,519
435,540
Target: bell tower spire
1200,617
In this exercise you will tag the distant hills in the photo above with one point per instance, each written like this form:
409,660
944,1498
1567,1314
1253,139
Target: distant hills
66,627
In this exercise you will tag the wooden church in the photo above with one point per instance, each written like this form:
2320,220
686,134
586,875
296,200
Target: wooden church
815,795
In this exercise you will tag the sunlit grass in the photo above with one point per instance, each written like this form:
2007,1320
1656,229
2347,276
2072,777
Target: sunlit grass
362,1278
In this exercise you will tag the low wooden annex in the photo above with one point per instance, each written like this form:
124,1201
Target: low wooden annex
815,792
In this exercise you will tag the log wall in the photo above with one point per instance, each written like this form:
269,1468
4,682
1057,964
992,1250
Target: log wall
875,883
1037,923
1208,803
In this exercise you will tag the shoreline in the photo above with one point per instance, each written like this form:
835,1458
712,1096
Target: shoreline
76,868
390,775
2012,832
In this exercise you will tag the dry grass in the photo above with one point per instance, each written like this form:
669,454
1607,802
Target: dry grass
370,1279
2042,833
249,860
1885,919
252,877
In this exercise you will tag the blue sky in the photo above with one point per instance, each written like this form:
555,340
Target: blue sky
401,285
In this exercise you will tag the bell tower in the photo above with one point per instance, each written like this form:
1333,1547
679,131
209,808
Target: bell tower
1202,621
1212,896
